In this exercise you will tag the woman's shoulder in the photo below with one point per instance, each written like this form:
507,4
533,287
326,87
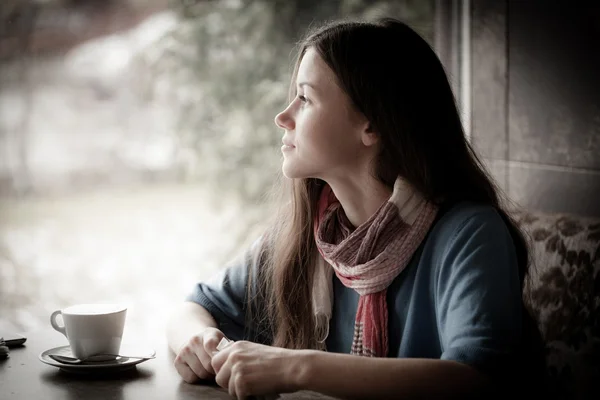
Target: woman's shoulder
466,235
465,218
459,212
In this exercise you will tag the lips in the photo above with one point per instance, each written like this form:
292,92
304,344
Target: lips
287,143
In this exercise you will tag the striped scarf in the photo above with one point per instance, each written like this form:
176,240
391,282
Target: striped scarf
367,259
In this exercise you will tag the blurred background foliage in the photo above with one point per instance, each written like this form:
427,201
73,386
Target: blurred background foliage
137,142
230,63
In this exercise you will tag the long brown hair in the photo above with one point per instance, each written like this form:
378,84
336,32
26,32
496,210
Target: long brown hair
396,80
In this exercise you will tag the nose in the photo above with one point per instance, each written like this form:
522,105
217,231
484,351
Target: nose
284,120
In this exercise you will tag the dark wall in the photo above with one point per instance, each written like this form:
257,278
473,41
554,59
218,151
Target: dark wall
536,101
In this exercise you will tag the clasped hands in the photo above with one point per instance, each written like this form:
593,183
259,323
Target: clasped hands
243,368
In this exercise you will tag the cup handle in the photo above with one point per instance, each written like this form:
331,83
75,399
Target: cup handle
60,329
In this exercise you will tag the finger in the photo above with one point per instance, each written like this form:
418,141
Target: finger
196,349
185,372
211,341
223,376
190,358
196,365
205,360
231,387
238,385
218,359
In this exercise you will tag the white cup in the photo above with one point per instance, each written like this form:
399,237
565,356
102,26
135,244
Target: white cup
92,329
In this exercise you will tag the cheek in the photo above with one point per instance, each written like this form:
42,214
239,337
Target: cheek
321,130
334,140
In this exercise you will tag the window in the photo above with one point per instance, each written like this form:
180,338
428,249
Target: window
137,142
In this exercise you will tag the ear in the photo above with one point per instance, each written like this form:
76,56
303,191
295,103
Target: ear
369,136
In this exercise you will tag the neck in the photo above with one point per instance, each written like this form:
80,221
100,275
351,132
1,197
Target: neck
360,197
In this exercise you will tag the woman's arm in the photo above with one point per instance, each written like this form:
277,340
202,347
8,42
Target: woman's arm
187,320
351,377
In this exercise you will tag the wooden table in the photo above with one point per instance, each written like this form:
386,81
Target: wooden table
24,376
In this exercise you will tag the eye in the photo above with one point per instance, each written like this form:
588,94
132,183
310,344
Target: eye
302,98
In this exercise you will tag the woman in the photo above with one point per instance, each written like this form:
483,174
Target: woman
391,245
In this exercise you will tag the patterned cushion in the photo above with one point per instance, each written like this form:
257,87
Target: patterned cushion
563,294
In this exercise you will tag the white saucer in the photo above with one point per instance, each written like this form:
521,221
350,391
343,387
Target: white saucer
118,364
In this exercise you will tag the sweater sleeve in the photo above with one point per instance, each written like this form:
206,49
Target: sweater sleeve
225,296
478,295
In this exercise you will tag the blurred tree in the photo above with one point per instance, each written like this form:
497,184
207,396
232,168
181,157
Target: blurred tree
18,18
228,65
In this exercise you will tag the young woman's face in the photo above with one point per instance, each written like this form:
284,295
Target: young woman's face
324,134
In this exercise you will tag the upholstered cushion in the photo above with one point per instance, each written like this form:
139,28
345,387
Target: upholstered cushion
563,294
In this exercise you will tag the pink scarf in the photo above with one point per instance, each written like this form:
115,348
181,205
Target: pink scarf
367,259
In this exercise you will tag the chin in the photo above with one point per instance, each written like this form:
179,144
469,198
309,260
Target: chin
290,174
293,172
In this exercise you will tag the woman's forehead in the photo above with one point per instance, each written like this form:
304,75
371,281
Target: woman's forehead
314,70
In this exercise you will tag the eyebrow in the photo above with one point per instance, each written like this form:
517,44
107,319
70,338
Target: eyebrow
307,84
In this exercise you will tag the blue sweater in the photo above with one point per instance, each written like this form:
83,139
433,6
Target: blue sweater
458,299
